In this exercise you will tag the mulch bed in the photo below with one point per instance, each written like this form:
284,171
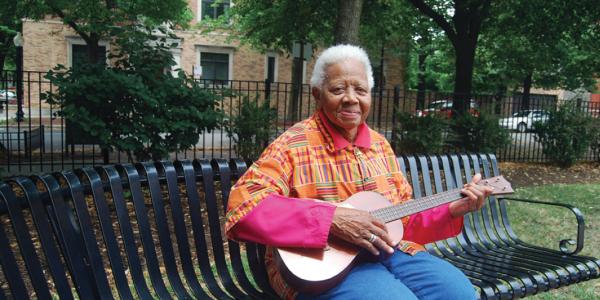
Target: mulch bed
535,174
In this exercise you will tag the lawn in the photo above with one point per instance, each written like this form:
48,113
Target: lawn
546,226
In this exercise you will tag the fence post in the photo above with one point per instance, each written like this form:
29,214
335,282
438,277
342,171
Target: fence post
395,107
268,91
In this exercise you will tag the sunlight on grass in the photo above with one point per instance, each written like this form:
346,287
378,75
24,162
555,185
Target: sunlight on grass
546,226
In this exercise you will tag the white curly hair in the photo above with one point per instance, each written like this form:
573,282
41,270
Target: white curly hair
336,54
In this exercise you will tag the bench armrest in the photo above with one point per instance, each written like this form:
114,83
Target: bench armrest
578,215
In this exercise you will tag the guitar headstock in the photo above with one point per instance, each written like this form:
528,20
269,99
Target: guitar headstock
499,185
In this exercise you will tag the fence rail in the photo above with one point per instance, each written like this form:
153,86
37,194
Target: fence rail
45,141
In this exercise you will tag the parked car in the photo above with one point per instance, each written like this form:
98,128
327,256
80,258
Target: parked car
524,120
444,107
7,96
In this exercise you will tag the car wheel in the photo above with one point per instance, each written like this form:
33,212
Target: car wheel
522,127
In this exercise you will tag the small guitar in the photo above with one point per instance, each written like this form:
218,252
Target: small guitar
314,271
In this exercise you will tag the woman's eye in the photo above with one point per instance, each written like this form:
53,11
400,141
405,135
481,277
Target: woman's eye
338,91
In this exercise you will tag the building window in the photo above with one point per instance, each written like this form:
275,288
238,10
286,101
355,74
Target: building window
213,8
271,67
79,54
216,65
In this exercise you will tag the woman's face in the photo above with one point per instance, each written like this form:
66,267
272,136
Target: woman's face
345,97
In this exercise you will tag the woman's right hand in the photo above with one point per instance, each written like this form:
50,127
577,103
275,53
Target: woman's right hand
362,229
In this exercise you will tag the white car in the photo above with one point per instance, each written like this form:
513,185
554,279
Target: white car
524,120
7,95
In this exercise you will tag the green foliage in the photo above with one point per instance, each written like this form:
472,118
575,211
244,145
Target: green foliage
267,24
136,105
424,134
251,129
596,137
477,133
435,133
566,135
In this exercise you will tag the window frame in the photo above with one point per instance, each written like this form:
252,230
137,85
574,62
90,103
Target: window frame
80,42
218,50
275,68
199,8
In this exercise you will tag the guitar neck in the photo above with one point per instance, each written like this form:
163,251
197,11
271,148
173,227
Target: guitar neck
395,212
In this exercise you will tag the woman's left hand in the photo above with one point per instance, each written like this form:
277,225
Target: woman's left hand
475,196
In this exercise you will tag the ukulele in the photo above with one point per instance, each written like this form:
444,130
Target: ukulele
314,271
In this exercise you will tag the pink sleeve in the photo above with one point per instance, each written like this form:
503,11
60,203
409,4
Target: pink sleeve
432,225
286,222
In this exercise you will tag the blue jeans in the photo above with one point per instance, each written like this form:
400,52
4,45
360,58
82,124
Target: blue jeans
402,276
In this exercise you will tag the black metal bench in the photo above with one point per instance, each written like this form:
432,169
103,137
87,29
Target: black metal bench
154,230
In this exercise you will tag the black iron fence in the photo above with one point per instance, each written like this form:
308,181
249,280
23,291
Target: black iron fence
43,140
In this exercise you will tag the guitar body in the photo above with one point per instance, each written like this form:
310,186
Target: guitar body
314,271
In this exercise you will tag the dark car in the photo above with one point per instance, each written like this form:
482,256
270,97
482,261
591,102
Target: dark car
444,107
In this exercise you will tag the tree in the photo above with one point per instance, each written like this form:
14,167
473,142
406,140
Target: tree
134,105
94,21
348,22
9,26
547,49
461,22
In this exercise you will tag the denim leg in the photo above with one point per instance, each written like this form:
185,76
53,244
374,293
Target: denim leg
367,281
430,277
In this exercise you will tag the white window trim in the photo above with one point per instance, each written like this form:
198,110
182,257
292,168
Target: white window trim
304,63
276,69
79,41
199,5
223,50
176,52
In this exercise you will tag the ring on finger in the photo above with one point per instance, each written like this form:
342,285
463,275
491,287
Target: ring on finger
372,238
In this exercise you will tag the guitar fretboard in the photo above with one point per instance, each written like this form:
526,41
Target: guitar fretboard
395,212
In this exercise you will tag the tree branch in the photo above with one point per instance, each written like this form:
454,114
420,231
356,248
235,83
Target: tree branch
437,18
71,23
481,13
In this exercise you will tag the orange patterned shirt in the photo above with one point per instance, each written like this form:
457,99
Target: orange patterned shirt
308,162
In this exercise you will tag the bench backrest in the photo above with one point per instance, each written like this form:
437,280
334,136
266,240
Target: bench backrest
155,229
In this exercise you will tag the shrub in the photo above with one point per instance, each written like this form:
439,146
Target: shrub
481,133
420,134
136,105
566,135
251,129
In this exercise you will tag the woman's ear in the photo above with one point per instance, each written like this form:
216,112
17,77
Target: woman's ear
316,92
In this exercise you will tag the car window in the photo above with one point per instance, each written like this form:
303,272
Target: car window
438,104
520,114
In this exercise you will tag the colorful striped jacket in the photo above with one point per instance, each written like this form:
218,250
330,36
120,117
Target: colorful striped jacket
272,202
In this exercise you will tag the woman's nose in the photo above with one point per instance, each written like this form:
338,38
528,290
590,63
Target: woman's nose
350,96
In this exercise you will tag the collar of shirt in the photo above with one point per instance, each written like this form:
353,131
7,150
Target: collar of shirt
363,136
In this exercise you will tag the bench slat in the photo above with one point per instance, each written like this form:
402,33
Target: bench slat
126,230
143,225
214,223
160,220
170,171
198,231
108,234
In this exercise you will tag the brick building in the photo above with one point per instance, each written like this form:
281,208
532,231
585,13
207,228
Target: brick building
49,43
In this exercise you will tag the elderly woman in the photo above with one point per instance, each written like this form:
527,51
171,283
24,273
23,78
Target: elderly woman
331,156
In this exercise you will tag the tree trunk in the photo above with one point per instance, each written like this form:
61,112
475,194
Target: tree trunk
463,74
2,58
95,56
422,84
348,22
525,100
5,41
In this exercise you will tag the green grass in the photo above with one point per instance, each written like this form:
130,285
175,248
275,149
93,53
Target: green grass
546,226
